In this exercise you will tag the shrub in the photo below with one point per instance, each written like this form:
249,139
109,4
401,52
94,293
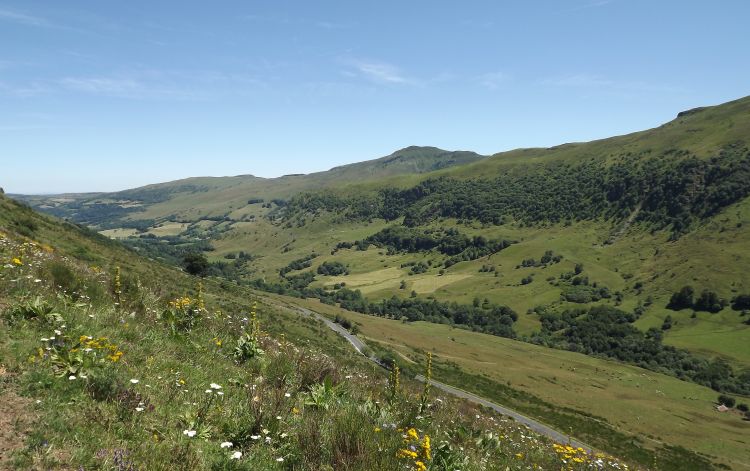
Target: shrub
182,314
332,269
36,310
195,263
682,299
741,302
726,400
709,301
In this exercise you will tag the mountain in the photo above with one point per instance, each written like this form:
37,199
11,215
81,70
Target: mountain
210,195
165,361
638,213
573,259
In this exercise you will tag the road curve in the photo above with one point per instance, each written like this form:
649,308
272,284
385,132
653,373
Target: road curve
520,418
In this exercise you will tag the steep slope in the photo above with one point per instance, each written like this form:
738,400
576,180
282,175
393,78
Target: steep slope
147,378
120,377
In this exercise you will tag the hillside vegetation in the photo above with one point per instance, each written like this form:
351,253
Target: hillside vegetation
112,367
632,248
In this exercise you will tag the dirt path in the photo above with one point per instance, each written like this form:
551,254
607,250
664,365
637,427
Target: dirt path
15,420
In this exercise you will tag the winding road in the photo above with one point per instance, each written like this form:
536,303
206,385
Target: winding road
532,424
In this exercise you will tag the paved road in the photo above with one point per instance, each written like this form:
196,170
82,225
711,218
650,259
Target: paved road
529,422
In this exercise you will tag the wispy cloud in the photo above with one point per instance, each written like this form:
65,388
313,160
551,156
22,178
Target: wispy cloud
291,21
21,128
492,80
163,85
381,72
25,90
598,82
593,4
22,18
102,85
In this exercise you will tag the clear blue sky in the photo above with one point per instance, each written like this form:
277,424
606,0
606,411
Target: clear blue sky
106,95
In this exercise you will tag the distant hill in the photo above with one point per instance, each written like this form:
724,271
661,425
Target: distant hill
640,216
217,193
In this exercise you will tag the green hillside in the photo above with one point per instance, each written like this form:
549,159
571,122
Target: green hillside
148,372
581,247
100,370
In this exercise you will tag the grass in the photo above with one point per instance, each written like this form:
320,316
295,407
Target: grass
172,399
631,400
720,248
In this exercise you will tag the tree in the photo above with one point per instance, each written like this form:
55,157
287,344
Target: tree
195,263
741,302
682,299
667,324
709,301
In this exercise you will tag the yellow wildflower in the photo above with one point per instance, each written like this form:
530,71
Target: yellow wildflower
426,447
17,261
404,453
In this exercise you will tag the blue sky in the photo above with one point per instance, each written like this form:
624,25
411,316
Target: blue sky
102,95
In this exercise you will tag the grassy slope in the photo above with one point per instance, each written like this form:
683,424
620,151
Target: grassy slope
631,399
94,422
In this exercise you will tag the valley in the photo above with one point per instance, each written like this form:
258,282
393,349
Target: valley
571,257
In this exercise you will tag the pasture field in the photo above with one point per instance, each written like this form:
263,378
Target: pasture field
631,399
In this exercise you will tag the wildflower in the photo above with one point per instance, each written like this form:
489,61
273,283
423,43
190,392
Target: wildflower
420,466
295,410
226,444
139,409
236,455
404,453
376,429
255,437
215,386
279,459
287,395
135,381
519,456
72,377
189,433
37,280
209,391
17,261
